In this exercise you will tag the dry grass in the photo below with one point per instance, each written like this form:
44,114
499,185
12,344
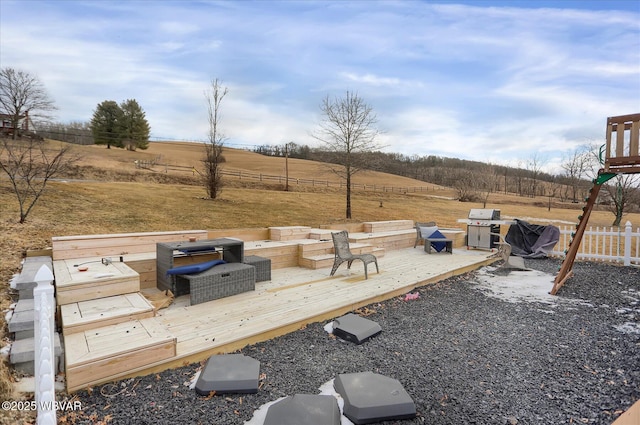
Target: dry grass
140,203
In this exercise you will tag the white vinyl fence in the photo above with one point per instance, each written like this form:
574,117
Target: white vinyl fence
620,245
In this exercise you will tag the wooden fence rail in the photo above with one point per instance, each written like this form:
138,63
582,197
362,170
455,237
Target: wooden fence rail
326,183
243,175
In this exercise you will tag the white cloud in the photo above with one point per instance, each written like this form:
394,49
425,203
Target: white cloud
371,79
486,83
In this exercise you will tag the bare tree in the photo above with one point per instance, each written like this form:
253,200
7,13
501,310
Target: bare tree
348,131
619,192
75,132
488,181
30,164
575,168
213,148
519,179
23,98
534,167
465,182
552,189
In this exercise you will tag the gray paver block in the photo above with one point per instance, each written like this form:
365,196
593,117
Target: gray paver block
23,350
21,321
24,305
29,333
25,279
25,294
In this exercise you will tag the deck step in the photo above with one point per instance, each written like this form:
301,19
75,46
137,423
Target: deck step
313,247
387,226
361,248
326,260
105,353
317,261
391,240
286,233
97,281
91,314
321,234
379,252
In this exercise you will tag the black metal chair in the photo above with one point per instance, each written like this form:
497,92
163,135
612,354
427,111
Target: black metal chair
343,253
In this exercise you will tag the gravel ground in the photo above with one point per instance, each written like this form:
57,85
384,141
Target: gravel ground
465,355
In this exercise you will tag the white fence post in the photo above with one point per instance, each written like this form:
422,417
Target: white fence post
627,244
45,368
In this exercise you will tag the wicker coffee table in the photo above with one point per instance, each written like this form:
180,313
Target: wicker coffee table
220,281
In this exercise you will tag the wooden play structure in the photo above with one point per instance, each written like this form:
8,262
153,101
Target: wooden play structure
621,156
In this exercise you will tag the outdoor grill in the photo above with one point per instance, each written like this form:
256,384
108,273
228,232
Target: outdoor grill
483,226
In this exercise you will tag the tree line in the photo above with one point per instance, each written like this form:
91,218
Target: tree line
438,170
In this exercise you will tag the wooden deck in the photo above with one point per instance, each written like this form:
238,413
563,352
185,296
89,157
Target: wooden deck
294,297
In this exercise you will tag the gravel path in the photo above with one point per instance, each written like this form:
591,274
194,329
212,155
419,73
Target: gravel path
467,354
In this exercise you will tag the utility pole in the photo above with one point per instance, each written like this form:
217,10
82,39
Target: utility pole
286,166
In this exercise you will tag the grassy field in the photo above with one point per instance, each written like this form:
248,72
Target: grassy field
109,195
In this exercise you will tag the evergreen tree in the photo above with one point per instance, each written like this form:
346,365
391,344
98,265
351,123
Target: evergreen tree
135,128
106,124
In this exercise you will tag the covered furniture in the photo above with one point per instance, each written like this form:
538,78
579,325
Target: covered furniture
419,234
531,240
343,253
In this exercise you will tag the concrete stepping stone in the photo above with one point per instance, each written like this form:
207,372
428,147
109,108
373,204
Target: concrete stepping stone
370,397
304,409
354,328
229,373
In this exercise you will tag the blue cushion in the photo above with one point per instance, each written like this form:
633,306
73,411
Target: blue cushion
191,250
438,246
195,268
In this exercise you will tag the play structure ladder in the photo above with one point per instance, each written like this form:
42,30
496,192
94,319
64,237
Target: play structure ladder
622,156
566,269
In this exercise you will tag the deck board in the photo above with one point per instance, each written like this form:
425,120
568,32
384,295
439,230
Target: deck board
292,298
90,314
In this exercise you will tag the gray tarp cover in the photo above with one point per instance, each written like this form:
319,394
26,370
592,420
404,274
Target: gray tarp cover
531,240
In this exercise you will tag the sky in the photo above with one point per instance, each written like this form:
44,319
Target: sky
495,81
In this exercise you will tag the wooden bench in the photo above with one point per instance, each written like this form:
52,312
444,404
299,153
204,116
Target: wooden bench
117,244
